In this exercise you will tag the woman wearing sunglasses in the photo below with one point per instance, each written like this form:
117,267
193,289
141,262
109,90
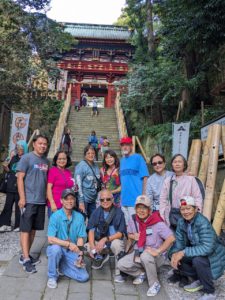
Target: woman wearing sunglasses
155,181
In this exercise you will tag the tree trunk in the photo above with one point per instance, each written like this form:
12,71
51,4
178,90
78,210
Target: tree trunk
149,23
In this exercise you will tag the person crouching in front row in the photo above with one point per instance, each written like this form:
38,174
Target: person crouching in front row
197,252
106,231
153,238
66,233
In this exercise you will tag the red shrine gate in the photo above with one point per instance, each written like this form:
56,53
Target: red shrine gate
99,60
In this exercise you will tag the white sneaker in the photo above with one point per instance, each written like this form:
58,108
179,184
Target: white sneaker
17,229
139,279
119,279
154,289
5,228
207,297
52,283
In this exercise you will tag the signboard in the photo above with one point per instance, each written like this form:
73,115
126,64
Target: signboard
204,130
19,128
180,138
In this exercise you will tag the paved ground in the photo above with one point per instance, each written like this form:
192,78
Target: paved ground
16,284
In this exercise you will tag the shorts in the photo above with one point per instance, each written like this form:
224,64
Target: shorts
94,109
33,217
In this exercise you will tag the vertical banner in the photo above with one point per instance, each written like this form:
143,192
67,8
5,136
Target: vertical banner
180,138
19,128
62,82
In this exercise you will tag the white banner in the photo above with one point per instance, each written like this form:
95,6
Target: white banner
19,128
180,138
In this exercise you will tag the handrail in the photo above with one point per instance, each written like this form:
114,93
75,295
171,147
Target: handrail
35,132
120,117
136,138
57,137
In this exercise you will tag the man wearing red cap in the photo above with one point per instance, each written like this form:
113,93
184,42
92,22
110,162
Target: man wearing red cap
133,174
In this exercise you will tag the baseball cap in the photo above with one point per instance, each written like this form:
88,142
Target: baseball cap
187,200
68,192
126,140
143,199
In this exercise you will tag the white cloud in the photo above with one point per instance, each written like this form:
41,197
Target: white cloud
86,11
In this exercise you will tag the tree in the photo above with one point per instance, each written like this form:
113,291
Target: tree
23,34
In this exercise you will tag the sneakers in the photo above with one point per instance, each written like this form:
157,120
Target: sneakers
154,289
5,228
52,283
17,229
119,279
207,297
28,267
99,261
34,261
139,279
193,287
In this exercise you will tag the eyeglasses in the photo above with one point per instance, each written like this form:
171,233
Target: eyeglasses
105,199
160,162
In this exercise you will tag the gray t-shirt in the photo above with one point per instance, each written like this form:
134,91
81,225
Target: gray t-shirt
35,182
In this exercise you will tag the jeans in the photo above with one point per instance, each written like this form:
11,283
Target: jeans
89,207
63,259
199,268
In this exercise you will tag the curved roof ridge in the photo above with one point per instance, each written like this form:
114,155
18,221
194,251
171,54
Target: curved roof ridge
97,31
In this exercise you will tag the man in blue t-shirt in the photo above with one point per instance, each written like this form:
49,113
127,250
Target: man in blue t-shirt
133,175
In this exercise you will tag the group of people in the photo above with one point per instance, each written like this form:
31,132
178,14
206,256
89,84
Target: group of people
118,209
83,101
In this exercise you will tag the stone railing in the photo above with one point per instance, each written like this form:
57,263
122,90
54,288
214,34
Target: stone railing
57,137
120,117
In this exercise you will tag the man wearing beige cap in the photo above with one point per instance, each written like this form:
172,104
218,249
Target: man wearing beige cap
152,238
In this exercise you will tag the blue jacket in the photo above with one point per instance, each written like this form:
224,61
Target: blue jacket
204,243
93,140
97,218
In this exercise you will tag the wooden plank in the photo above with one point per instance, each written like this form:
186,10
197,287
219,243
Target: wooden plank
212,170
220,211
205,157
195,157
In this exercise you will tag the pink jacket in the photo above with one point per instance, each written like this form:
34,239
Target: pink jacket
182,186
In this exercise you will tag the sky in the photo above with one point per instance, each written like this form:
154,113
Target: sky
86,11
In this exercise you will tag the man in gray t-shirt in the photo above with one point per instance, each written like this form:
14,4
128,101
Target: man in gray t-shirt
32,182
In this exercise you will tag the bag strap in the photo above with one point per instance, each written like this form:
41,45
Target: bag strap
111,215
92,171
135,223
171,190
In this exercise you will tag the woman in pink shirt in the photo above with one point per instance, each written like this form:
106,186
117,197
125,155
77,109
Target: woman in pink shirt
59,179
182,185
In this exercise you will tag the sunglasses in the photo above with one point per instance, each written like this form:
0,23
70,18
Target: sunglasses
105,199
160,162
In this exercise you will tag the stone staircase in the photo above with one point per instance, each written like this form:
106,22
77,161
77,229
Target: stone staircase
81,124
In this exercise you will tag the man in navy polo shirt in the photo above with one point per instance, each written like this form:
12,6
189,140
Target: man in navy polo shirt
66,233
133,175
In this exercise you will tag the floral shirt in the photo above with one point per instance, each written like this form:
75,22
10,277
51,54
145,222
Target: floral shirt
112,182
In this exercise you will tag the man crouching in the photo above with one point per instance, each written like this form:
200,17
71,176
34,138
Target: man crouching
106,231
66,233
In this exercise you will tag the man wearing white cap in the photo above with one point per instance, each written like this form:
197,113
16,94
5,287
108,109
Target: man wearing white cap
152,239
197,252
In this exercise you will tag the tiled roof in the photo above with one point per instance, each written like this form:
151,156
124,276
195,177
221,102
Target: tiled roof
108,32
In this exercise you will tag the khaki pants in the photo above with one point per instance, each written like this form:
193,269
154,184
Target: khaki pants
149,265
116,246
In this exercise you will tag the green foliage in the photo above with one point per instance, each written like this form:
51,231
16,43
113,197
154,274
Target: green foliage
24,36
